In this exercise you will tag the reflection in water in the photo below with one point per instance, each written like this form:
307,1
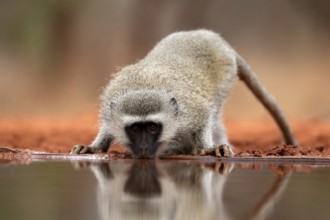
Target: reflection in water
128,189
265,206
165,190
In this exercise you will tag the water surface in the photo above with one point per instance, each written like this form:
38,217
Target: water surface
147,189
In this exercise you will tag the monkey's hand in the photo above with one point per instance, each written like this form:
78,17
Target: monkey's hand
219,167
223,150
85,149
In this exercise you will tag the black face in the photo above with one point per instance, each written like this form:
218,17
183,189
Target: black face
144,137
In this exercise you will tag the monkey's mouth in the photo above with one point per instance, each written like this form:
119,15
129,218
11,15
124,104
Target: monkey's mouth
139,152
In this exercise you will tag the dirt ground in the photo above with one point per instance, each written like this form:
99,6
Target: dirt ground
251,138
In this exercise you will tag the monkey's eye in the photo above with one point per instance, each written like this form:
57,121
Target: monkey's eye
153,128
135,129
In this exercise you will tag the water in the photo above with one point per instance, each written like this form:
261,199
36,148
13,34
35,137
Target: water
127,189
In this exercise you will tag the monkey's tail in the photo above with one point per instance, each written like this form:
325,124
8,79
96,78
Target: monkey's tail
247,75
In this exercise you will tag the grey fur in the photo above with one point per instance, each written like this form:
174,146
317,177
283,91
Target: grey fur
183,83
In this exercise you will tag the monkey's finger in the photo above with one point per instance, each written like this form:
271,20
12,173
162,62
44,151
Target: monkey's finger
201,152
217,152
79,149
214,151
74,150
226,150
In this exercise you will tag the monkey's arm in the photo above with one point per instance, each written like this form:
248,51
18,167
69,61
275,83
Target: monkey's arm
100,144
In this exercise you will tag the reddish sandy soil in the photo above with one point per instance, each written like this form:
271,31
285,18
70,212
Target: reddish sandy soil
251,138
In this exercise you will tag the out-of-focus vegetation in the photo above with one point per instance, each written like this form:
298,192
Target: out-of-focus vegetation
56,55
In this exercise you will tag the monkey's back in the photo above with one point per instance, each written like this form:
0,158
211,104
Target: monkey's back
195,67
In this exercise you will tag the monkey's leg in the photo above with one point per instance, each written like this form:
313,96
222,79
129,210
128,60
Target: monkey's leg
100,144
219,133
207,145
220,146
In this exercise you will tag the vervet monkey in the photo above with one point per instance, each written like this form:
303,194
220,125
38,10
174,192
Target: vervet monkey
172,100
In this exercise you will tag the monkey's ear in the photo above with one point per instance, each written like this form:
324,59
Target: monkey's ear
112,105
175,106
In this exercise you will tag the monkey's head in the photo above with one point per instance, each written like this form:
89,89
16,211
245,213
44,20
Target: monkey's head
143,120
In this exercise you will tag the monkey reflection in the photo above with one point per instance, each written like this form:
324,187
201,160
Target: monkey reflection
143,181
160,190
170,190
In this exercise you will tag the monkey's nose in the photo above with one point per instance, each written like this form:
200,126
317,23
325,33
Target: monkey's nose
143,149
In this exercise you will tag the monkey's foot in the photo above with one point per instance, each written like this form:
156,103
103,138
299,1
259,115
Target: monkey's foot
84,149
223,150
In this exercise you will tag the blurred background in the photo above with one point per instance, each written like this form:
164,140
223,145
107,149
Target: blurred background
57,55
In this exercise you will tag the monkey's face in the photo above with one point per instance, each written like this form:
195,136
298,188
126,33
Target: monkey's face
144,138
142,120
